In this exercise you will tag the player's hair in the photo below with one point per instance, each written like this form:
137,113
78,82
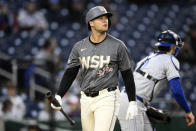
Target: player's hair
163,49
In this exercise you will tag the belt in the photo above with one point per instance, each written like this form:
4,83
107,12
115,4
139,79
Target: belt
146,75
141,100
96,93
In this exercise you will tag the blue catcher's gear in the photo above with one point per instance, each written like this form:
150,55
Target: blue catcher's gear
169,38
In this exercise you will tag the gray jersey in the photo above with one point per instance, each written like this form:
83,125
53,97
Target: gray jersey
99,63
163,67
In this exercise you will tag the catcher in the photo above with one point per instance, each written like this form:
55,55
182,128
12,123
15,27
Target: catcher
150,76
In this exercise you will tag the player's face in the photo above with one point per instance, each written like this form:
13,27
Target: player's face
100,24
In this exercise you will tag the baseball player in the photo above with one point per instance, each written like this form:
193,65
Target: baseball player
99,57
150,76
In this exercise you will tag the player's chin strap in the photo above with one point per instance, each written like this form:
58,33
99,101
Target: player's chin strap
146,75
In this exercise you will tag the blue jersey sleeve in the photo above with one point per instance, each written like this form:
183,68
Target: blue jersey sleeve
178,93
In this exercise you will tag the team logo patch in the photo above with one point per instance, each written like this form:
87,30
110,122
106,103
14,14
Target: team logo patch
102,8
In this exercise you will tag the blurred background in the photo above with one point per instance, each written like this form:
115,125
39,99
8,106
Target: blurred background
37,36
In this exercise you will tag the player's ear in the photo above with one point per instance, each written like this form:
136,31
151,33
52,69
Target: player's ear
91,23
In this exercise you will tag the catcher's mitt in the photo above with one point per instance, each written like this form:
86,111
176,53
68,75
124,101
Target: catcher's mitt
157,116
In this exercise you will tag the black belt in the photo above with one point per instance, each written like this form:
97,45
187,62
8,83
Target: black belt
96,93
147,75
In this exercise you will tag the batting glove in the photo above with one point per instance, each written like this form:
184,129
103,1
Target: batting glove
132,110
58,98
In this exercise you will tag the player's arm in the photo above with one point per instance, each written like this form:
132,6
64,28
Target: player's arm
130,89
125,64
71,71
67,80
178,93
69,75
129,83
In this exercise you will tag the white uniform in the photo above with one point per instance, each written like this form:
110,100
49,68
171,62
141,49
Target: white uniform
162,67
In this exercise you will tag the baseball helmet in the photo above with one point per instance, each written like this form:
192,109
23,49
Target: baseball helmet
169,38
95,12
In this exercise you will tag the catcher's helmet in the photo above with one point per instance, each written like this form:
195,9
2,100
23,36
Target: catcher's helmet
169,38
95,12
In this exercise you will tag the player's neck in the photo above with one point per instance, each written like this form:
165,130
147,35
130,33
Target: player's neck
172,51
97,37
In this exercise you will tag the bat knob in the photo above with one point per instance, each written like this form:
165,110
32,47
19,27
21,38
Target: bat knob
49,94
73,122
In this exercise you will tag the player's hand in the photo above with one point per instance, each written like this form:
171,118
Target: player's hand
58,98
132,110
190,119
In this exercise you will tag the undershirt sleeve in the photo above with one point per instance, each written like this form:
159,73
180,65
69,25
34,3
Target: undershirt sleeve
67,80
129,83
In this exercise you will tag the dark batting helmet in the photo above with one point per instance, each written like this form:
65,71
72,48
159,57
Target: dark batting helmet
95,12
169,38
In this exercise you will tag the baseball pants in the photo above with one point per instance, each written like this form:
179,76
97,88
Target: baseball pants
100,113
140,123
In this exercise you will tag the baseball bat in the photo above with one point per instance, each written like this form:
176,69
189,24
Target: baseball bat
54,101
